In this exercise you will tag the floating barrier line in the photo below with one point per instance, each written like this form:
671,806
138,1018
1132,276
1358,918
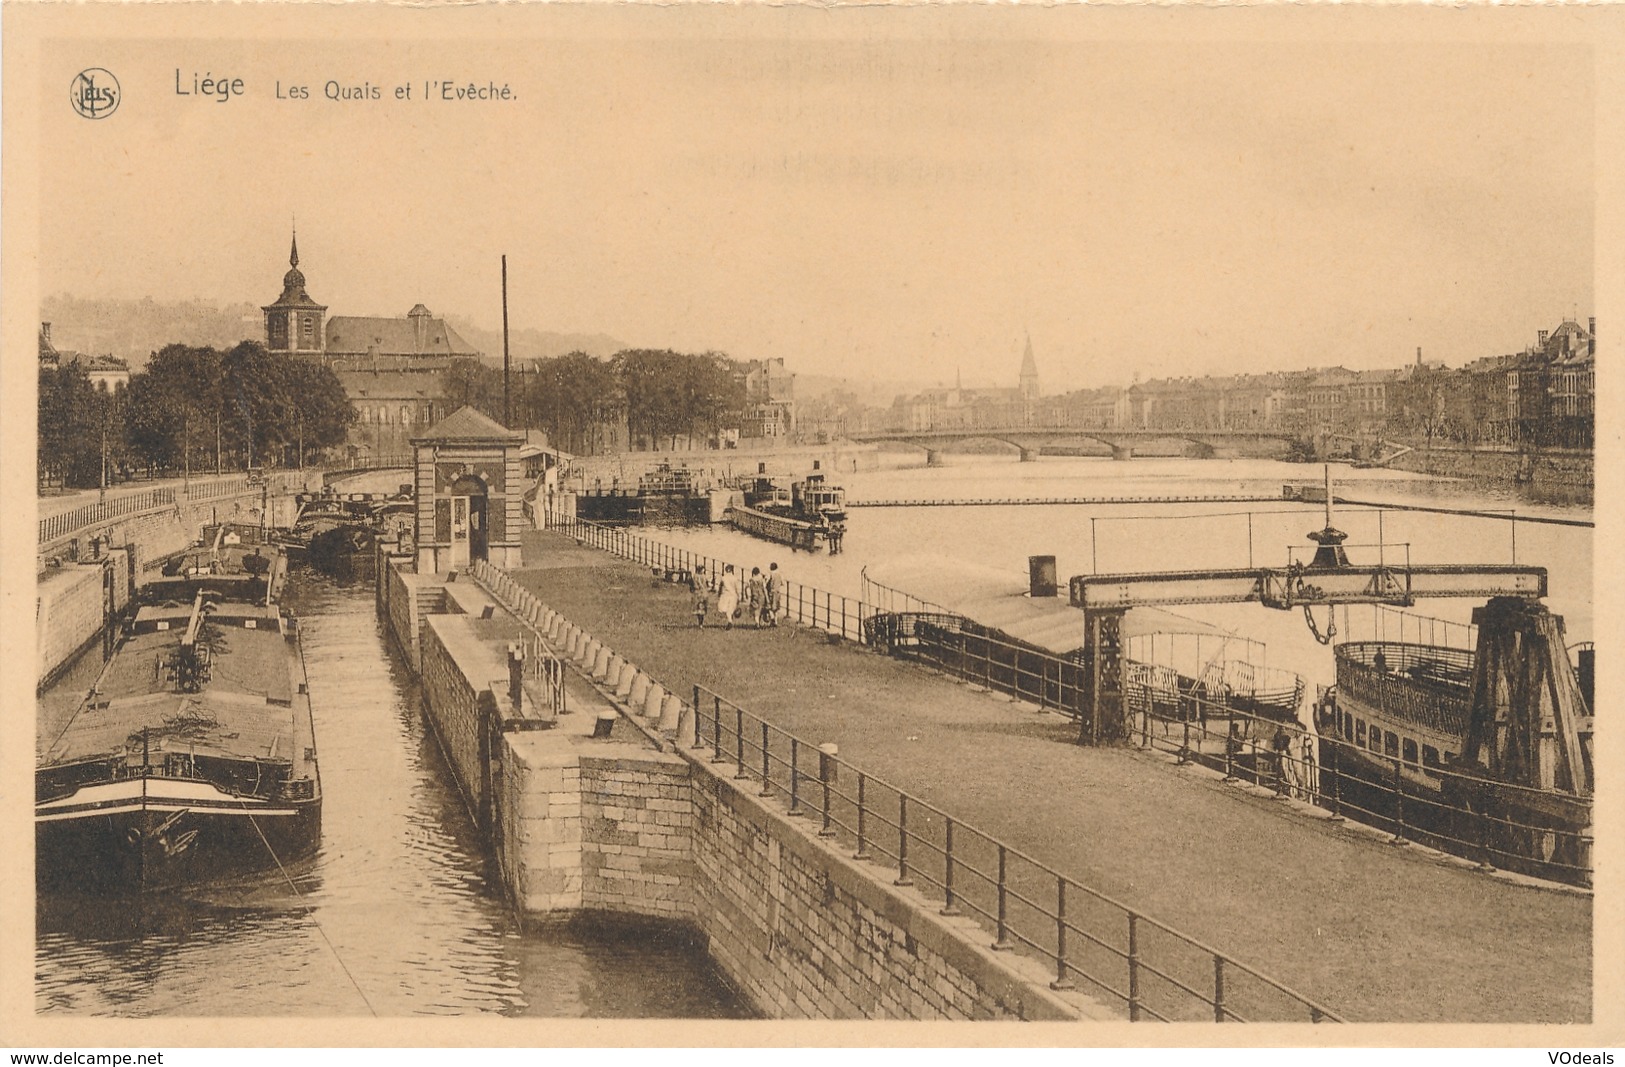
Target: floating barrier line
1011,501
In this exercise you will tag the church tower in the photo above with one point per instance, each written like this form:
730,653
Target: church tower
1029,373
294,323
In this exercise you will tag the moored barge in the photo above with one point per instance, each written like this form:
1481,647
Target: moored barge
194,755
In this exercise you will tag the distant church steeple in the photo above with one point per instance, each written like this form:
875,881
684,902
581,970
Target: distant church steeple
293,324
1029,373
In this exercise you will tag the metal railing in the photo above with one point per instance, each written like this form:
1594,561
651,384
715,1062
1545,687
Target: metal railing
1400,793
808,605
60,527
1085,937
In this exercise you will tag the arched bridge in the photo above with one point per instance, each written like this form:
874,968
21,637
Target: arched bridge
1031,440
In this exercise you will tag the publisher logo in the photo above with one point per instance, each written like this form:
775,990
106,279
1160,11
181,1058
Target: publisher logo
95,93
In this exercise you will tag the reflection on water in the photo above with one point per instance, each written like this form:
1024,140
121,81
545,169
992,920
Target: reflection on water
395,914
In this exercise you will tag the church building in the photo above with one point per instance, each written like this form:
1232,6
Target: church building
394,370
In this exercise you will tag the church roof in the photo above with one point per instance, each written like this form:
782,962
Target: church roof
293,284
1029,366
355,334
469,424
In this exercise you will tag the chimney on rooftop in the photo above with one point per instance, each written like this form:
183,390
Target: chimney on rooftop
1541,342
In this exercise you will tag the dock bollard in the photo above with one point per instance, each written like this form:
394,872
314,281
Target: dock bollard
588,649
600,663
612,670
623,681
671,713
652,701
573,637
639,690
556,630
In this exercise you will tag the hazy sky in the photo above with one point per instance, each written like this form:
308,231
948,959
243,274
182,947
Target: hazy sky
898,208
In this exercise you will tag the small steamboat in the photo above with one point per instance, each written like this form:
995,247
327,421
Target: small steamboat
810,514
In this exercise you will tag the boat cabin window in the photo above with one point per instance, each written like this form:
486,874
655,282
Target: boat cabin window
1449,757
1430,756
1390,744
1359,731
1408,750
1348,725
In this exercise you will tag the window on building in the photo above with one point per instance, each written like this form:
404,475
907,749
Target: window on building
1390,744
1359,731
406,415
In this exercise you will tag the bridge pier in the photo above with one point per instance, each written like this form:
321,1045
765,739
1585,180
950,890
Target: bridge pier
933,457
1122,451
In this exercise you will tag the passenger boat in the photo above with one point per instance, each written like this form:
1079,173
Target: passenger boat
812,513
1401,717
665,495
194,754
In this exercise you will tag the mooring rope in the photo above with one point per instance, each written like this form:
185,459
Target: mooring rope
317,922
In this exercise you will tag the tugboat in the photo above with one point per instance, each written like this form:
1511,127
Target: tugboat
811,514
194,755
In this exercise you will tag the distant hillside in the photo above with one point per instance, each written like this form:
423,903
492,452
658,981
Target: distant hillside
134,329
534,344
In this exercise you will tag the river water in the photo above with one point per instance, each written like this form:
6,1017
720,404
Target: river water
1110,538
397,913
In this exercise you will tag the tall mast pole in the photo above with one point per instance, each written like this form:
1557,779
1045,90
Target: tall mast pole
507,403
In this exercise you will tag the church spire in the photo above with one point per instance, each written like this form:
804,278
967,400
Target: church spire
293,256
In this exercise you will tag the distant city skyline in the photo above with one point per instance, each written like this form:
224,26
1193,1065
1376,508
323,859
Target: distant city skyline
905,209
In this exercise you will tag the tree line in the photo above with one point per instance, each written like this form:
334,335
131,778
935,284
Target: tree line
192,408
665,398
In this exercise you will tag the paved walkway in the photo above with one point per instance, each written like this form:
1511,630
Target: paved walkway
1375,932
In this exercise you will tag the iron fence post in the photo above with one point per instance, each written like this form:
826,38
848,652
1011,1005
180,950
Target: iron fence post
1185,744
1336,769
1133,967
948,906
795,778
1003,942
902,841
825,768
696,717
1062,980
767,787
863,845
739,741
716,728
1399,807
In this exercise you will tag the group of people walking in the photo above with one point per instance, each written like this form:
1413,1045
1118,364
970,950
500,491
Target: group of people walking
756,601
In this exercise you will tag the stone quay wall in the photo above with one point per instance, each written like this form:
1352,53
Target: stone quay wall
650,830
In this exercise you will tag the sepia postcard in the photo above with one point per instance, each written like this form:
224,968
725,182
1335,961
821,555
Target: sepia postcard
791,525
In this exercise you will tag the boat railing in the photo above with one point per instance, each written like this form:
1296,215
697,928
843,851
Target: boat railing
1413,683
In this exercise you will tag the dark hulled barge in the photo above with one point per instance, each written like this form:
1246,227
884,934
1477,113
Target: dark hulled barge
194,755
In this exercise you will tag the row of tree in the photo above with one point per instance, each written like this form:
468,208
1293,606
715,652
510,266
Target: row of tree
663,397
191,408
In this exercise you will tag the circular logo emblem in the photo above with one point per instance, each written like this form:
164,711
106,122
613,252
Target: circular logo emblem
94,93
